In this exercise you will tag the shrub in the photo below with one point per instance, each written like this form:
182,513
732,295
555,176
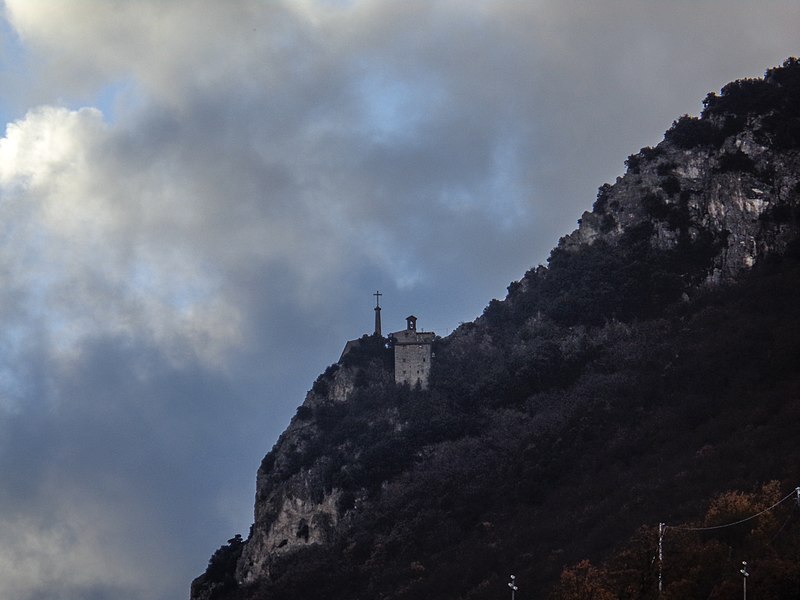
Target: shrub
646,154
219,577
691,132
742,97
633,162
655,206
736,162
778,213
665,168
601,203
304,413
671,185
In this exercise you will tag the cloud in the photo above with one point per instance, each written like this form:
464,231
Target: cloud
58,557
115,333
76,255
198,198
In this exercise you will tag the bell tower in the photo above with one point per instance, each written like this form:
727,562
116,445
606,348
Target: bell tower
412,354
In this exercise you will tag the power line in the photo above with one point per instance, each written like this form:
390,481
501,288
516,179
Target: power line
662,529
766,510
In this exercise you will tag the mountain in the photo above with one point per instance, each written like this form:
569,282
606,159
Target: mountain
647,371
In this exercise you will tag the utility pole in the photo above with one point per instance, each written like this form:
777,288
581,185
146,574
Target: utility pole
661,528
513,585
745,575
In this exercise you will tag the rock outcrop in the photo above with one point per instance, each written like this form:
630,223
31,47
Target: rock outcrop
740,193
293,507
297,505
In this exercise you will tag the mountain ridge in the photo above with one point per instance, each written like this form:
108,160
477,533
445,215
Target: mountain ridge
669,313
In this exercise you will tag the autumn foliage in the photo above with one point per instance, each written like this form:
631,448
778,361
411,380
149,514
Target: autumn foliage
703,560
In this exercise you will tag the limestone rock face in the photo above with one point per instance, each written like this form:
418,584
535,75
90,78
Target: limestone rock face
298,504
288,516
292,508
740,193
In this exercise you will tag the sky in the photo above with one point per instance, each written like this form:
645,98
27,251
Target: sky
199,198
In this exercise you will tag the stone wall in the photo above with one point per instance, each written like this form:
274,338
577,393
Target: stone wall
412,357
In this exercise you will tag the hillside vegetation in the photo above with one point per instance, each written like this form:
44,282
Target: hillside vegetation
649,373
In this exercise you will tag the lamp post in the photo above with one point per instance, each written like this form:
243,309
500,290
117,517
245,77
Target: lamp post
513,585
745,575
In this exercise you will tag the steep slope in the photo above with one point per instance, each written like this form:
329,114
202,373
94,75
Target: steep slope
651,365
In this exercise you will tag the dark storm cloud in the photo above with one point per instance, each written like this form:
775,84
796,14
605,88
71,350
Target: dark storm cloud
180,263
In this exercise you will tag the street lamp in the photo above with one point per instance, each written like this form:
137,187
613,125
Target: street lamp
513,585
745,575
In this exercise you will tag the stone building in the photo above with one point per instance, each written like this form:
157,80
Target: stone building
412,354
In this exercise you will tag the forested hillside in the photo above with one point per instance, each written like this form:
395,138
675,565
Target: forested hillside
649,373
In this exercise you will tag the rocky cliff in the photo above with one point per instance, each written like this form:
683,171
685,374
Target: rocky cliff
561,391
294,505
732,185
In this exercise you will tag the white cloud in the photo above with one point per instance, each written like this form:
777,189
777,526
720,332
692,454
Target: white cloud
57,559
72,251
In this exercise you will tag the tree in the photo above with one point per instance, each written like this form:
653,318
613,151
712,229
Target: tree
583,582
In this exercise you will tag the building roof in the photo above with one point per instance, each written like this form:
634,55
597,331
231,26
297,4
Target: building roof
407,336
